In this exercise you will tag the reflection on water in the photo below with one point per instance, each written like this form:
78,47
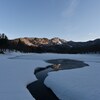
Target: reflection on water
38,90
58,64
63,64
56,67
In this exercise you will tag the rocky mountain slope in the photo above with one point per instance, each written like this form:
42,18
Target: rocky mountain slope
56,45
39,41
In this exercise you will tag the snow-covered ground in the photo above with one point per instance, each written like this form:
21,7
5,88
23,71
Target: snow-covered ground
17,72
77,84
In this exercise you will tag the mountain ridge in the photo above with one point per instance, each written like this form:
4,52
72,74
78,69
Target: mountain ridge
40,41
53,45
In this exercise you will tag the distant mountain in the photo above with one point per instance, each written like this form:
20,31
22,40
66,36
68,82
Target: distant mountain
35,44
40,41
55,45
85,47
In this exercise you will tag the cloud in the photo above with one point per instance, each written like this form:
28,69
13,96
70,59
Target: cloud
69,11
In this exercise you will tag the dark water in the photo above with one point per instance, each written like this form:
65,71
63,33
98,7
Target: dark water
38,89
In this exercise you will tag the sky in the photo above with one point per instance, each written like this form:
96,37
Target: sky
76,20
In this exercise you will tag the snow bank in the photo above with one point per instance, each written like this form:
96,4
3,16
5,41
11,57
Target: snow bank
77,84
15,74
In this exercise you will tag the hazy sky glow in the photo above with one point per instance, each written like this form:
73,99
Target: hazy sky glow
77,20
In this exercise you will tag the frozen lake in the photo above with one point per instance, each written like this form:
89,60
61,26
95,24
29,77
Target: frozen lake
17,72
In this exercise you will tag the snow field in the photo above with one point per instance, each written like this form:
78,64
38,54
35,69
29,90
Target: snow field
77,84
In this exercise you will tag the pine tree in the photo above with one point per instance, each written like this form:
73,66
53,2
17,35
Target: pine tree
3,42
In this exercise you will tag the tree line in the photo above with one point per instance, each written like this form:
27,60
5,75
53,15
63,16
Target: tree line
3,42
